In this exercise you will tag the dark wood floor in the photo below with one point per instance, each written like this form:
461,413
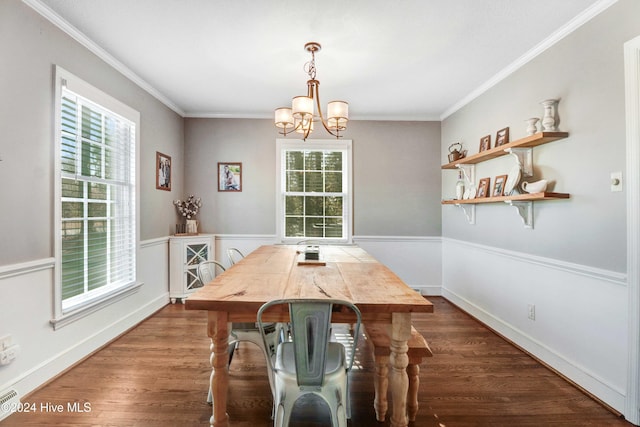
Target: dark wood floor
157,375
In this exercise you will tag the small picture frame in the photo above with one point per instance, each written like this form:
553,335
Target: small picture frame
229,176
485,143
483,188
498,185
163,172
502,137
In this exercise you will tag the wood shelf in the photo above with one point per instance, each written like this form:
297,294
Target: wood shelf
514,198
529,141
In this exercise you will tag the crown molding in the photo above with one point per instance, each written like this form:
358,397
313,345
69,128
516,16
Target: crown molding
554,38
85,41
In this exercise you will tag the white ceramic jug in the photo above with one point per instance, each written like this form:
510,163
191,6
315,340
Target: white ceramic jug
535,187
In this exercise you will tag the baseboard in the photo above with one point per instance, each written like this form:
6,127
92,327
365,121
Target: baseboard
587,381
45,372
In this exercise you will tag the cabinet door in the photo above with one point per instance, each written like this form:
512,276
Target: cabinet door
195,254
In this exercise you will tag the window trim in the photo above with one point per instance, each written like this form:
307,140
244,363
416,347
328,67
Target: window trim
64,78
314,144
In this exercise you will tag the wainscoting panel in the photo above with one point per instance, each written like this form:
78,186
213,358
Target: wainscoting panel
26,309
416,260
579,313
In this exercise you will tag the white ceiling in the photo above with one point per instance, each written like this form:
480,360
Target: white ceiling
390,59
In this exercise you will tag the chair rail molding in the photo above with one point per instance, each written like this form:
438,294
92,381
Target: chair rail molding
584,270
11,270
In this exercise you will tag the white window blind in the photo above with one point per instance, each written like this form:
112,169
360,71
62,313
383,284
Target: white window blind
97,210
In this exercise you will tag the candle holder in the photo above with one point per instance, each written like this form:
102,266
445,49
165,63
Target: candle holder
532,125
550,112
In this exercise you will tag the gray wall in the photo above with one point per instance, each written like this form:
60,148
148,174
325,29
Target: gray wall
30,46
584,70
395,171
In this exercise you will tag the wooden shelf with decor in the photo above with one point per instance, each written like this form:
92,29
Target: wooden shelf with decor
514,198
526,142
522,150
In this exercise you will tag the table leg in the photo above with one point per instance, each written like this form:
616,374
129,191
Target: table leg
218,331
381,385
400,334
413,371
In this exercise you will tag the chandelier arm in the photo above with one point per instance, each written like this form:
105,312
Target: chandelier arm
317,97
293,129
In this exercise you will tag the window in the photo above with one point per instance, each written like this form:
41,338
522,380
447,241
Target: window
314,190
96,201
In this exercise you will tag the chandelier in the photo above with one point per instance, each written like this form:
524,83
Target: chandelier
301,116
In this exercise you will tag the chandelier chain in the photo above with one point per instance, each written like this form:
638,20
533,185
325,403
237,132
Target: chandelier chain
310,67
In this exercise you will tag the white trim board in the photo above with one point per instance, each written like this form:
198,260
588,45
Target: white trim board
40,374
93,47
574,307
11,270
632,91
582,376
584,270
554,38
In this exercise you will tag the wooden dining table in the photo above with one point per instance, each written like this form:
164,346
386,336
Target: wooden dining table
280,272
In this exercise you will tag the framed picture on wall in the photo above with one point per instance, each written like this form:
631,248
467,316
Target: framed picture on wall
163,171
485,143
229,176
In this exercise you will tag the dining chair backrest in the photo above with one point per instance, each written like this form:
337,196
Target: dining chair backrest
207,271
234,255
311,332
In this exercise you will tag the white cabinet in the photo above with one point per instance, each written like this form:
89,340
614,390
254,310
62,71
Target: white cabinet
185,253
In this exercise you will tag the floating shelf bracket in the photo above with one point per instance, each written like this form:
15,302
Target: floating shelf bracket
469,211
525,210
524,157
469,172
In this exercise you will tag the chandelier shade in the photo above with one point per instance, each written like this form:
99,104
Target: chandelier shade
283,117
302,114
302,106
337,114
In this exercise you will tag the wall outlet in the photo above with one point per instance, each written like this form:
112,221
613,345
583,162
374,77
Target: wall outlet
531,311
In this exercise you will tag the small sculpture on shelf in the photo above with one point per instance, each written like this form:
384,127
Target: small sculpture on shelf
532,125
549,120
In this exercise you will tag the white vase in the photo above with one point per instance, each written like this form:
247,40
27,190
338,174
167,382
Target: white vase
549,119
532,125
192,226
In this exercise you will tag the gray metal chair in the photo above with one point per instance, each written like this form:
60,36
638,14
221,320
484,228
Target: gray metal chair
207,271
310,363
234,255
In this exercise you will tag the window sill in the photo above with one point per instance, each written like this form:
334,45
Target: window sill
94,306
